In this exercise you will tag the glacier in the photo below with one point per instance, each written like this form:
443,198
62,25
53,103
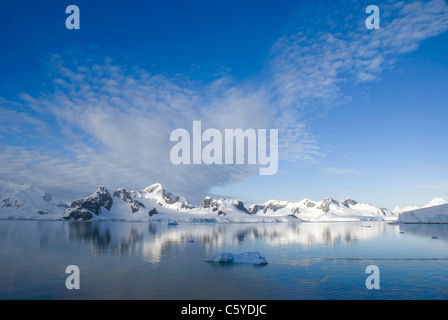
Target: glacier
434,214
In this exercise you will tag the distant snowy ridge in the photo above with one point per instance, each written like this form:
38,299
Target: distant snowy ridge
28,201
432,203
436,202
154,203
325,210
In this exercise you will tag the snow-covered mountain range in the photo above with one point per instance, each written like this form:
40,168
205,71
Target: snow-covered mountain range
154,203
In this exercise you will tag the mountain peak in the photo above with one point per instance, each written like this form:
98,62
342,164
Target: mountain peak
84,207
156,187
436,202
164,197
348,202
101,190
325,204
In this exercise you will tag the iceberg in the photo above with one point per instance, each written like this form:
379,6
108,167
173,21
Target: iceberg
245,257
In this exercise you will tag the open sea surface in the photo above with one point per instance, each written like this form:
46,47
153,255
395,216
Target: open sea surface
121,260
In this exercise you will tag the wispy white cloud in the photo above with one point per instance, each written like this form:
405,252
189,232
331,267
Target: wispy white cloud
309,68
111,126
114,127
15,120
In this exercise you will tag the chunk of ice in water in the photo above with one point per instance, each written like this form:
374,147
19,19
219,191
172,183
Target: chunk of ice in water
246,257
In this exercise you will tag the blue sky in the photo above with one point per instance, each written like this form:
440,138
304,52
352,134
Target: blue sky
361,113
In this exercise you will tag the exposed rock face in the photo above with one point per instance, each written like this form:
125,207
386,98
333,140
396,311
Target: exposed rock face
210,203
123,194
310,204
272,206
264,208
79,214
257,208
240,206
126,196
7,203
82,209
325,205
349,202
219,205
152,212
94,203
295,211
136,205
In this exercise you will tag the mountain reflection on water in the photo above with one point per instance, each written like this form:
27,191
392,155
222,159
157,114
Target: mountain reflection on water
150,239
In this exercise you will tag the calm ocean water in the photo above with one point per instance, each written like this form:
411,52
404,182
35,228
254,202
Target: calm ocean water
119,260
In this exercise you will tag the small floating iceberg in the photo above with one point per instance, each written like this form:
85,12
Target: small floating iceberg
246,257
172,222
